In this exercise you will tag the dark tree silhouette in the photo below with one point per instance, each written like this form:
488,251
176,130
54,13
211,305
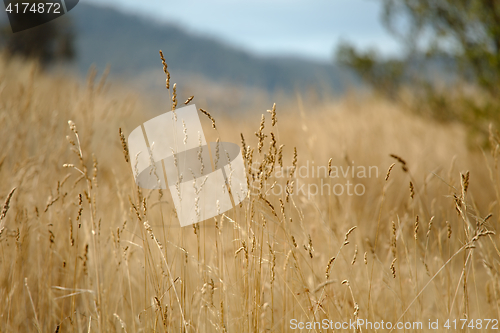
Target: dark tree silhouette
47,43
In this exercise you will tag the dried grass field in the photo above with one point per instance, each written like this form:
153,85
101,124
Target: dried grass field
82,249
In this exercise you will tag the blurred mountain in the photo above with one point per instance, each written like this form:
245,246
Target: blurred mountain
130,44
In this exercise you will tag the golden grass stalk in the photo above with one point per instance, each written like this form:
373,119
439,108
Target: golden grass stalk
206,113
6,204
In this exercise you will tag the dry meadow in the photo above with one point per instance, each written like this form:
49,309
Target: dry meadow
82,249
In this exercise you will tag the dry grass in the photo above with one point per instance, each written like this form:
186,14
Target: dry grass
82,249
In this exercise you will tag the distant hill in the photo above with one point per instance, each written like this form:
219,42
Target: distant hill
130,44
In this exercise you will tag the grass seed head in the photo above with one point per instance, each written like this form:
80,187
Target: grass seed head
355,255
415,230
393,267
346,237
328,266
124,145
430,226
174,97
294,162
389,171
273,115
206,113
465,183
165,70
6,204
412,190
401,161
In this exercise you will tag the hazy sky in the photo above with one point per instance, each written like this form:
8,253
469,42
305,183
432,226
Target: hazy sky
308,28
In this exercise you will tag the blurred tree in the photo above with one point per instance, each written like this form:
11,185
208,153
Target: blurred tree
463,34
47,43
385,75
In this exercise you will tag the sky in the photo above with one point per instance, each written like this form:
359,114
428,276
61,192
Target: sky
305,28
